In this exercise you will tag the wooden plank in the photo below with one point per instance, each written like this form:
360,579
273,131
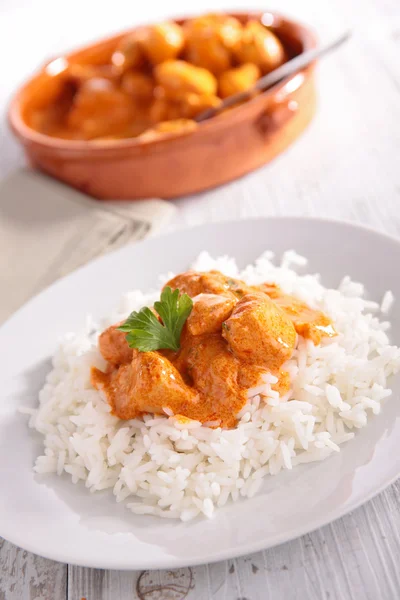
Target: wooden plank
26,576
94,584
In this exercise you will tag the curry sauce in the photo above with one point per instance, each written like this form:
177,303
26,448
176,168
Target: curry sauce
233,335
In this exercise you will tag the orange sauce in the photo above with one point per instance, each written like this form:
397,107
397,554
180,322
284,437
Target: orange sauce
234,334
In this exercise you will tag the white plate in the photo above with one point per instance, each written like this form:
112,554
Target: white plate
54,518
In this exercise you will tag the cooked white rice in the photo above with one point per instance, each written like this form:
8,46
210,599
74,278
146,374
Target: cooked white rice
163,467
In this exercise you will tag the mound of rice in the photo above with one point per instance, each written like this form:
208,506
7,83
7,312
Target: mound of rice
166,468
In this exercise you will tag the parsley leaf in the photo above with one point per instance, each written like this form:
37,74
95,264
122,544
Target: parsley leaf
146,333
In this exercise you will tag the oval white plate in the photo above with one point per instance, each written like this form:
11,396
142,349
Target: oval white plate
54,518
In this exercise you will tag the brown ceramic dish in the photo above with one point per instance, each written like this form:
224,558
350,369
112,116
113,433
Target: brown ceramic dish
220,150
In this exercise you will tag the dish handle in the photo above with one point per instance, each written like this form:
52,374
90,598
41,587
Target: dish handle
277,113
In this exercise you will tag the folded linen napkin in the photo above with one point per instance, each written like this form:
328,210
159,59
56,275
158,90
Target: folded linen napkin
47,229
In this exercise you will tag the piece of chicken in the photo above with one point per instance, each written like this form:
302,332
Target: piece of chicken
238,80
259,46
189,283
148,384
258,331
210,40
210,282
178,76
215,372
208,313
114,347
309,322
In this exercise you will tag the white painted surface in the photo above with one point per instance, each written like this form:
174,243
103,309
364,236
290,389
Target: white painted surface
345,166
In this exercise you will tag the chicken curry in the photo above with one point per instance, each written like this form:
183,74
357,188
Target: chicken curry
232,334
157,74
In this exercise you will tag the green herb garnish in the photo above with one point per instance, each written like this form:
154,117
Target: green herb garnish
145,332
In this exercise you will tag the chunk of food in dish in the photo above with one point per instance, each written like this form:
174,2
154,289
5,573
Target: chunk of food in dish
129,52
162,42
178,76
139,86
201,347
238,79
99,108
210,41
160,72
258,45
191,105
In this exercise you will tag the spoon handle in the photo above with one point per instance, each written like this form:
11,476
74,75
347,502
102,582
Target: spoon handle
289,68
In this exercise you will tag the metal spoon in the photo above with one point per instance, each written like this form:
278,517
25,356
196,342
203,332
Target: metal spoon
289,68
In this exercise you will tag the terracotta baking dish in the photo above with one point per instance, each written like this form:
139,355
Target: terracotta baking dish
220,150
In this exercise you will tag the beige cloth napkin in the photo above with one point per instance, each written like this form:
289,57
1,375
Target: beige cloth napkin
47,229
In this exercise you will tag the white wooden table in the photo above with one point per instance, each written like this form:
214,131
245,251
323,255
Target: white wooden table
347,165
